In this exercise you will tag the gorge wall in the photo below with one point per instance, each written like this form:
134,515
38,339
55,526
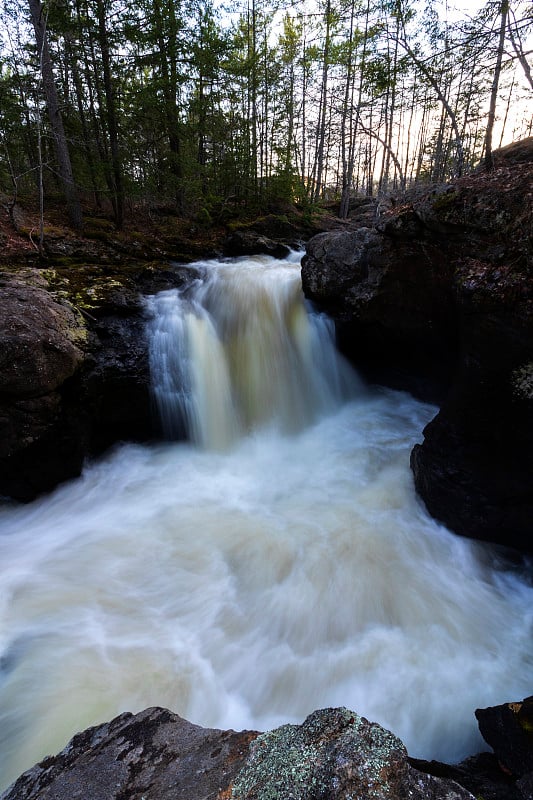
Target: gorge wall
437,298
74,377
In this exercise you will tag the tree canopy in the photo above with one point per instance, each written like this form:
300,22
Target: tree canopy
210,109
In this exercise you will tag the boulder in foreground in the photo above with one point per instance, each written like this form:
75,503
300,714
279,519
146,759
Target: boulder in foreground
156,755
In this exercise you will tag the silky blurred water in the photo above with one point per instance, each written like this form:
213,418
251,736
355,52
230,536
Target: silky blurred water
278,563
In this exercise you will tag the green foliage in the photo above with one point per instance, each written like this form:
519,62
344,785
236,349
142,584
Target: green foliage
215,115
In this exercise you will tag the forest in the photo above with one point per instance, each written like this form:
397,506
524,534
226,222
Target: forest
217,111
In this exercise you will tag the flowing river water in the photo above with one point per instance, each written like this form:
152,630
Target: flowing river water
276,563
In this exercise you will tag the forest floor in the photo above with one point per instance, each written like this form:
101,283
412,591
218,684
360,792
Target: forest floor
148,234
153,233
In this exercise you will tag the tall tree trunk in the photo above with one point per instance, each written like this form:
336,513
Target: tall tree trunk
504,11
56,121
70,49
347,116
321,133
111,113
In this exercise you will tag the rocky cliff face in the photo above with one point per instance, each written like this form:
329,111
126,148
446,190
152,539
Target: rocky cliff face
438,298
42,343
74,369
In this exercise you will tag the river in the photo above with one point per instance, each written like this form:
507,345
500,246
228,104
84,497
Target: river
277,562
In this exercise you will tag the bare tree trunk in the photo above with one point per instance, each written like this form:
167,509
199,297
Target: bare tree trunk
321,137
519,50
507,111
56,121
504,11
443,99
74,68
111,112
387,149
347,115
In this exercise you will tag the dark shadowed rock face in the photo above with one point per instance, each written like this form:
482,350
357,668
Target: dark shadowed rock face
392,301
438,299
508,729
74,373
157,755
41,350
474,468
480,774
250,243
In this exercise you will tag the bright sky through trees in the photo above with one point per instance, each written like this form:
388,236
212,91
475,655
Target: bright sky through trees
180,103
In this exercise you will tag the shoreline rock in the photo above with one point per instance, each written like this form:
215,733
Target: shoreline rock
438,299
75,373
157,755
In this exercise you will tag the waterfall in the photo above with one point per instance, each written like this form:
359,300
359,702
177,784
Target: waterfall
274,561
238,350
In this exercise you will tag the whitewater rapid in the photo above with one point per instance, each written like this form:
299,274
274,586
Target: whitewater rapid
277,563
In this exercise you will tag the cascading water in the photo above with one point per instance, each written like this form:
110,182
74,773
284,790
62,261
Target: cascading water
238,350
285,564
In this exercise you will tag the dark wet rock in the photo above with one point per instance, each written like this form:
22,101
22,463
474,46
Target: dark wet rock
41,445
392,304
114,388
508,729
438,299
475,465
157,755
75,373
480,774
250,243
525,786
40,340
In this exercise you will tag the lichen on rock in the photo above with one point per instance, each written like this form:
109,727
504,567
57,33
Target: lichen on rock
338,755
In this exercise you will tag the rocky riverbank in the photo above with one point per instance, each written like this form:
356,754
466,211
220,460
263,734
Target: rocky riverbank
74,376
437,298
333,754
433,295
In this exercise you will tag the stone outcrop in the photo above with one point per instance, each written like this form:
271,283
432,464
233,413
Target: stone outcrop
480,774
41,350
474,468
391,299
508,729
336,754
74,375
157,755
251,243
437,298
